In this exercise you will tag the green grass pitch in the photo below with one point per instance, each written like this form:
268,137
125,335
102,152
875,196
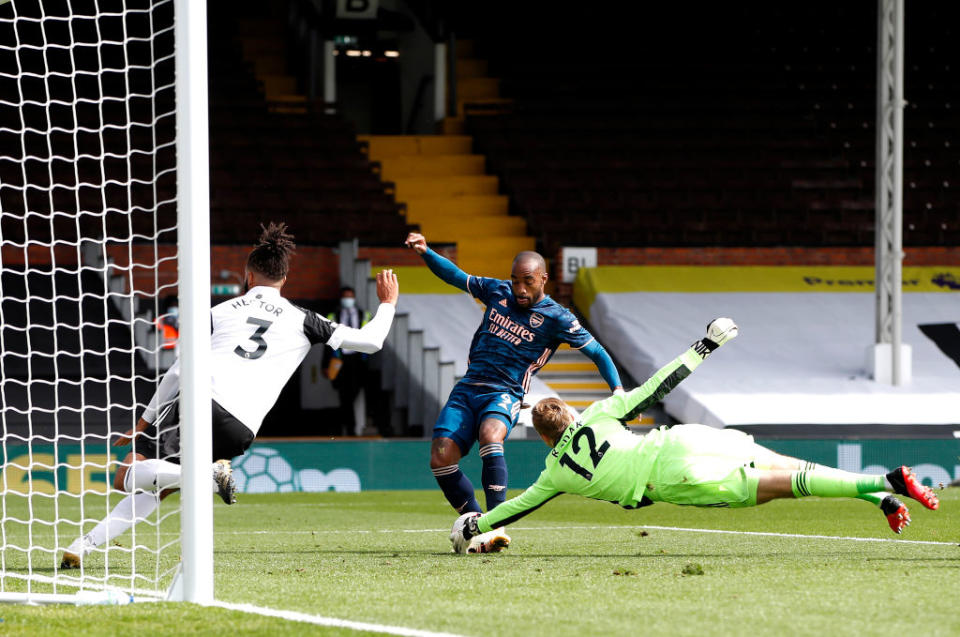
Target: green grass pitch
576,567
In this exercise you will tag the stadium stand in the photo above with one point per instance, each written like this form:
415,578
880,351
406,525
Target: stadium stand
750,126
77,164
304,166
60,365
720,131
726,132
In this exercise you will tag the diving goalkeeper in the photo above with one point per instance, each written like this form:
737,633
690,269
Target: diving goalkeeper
597,457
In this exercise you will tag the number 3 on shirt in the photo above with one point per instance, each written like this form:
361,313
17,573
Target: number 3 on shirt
256,337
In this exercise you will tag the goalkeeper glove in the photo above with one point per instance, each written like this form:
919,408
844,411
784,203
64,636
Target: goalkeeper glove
719,331
464,528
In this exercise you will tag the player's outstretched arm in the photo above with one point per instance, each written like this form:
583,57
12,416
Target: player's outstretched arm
627,406
130,434
445,269
166,390
369,338
538,494
719,331
598,354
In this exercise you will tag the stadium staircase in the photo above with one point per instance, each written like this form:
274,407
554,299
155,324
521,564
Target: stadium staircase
449,195
576,379
274,154
444,185
447,192
477,92
264,44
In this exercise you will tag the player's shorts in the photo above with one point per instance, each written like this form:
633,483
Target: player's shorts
704,466
162,438
468,406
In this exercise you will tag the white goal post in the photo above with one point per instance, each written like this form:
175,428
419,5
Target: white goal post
193,204
104,227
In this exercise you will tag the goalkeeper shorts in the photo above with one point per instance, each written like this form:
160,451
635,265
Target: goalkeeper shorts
231,438
704,466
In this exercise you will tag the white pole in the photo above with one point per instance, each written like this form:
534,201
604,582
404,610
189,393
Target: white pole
896,226
889,196
439,81
329,73
193,237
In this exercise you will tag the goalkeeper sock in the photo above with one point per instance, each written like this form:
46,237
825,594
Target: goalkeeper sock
152,475
494,474
876,499
457,488
131,509
824,470
834,484
773,461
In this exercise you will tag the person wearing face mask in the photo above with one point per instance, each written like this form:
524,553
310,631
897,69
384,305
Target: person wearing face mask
347,369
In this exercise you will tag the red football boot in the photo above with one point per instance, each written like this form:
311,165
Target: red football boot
905,483
898,517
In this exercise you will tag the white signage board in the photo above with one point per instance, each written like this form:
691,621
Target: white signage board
576,258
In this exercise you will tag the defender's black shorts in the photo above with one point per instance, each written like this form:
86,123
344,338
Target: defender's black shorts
162,438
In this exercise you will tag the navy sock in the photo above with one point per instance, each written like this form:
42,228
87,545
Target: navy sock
457,488
494,475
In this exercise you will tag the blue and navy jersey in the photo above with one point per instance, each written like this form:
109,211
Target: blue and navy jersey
513,343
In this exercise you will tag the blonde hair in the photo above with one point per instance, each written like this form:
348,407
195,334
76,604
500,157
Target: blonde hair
551,417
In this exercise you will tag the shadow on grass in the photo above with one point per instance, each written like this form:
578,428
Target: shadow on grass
893,558
656,555
377,553
380,553
331,551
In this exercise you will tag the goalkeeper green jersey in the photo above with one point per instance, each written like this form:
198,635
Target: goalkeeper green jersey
597,456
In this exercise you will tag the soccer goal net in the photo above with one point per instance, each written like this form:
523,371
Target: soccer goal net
89,289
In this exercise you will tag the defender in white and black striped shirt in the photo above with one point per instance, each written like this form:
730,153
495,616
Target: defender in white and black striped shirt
257,342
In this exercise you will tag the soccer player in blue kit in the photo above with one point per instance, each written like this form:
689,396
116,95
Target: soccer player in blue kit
521,329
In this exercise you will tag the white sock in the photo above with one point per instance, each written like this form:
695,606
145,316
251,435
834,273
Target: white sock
152,475
130,510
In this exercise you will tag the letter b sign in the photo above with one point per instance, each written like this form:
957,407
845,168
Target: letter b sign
576,258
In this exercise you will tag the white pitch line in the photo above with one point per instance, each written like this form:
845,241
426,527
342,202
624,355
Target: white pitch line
330,621
73,581
849,538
